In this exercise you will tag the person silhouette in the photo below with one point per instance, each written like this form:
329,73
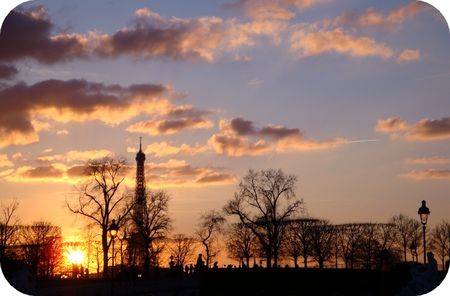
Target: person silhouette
200,263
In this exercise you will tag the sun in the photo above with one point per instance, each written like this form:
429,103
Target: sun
75,256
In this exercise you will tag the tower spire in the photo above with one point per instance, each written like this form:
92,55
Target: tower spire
140,143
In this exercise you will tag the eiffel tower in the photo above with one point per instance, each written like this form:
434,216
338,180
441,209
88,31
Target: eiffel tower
136,245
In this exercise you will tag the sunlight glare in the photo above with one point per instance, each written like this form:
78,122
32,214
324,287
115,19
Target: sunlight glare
75,256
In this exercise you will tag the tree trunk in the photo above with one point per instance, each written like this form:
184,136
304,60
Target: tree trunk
105,252
404,252
295,262
207,255
320,263
146,260
305,260
269,260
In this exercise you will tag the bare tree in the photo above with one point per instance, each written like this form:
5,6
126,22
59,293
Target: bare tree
386,240
440,240
154,227
406,230
300,231
209,227
182,249
369,244
264,202
322,241
100,198
41,244
8,225
241,243
350,238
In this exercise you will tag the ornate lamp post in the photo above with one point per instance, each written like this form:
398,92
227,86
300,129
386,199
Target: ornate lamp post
113,228
423,213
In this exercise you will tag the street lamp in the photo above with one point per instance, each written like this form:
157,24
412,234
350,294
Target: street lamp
413,248
113,228
423,213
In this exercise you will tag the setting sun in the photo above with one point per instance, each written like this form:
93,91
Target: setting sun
75,256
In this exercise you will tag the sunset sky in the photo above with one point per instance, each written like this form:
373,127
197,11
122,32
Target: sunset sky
350,96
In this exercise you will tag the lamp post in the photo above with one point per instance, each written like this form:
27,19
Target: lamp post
113,228
413,248
423,213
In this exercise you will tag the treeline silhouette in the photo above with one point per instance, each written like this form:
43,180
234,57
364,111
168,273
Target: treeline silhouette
262,226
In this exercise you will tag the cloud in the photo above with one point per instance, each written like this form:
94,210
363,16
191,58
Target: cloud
173,121
423,130
389,125
428,175
52,173
6,173
62,132
168,127
409,55
238,146
41,172
435,160
306,43
273,9
154,36
175,173
263,9
243,127
296,144
255,82
7,71
24,107
239,137
4,161
426,130
302,4
17,156
162,149
374,18
26,34
76,155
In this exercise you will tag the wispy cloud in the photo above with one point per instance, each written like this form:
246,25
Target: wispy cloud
431,174
434,160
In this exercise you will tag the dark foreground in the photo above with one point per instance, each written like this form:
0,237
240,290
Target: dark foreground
249,282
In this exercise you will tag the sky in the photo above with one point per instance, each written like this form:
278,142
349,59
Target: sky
350,96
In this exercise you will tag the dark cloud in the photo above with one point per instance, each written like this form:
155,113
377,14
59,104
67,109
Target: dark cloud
427,129
278,132
42,172
174,121
423,130
72,100
187,111
239,137
26,34
243,127
76,171
7,71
